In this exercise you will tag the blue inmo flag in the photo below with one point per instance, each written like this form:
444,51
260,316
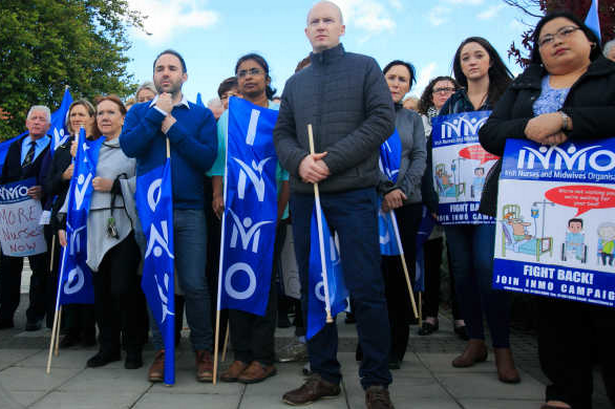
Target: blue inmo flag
58,130
338,293
4,148
75,281
199,99
249,221
154,199
387,225
592,20
390,160
390,156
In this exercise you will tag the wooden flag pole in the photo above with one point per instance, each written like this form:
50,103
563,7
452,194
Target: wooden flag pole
403,263
55,315
226,338
57,334
323,260
217,329
216,341
420,309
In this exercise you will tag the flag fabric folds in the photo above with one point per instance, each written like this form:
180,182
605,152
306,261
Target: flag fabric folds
390,156
154,199
75,281
390,160
388,238
338,293
4,148
249,221
58,130
592,19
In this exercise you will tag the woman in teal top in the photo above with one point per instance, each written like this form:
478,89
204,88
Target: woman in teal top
252,336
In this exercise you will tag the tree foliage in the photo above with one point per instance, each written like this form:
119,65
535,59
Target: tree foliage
46,45
538,8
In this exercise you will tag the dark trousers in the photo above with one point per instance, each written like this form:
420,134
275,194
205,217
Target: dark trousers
396,288
353,215
432,250
10,286
119,301
571,335
471,262
252,336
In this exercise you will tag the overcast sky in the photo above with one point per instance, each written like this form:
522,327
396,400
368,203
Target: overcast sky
212,35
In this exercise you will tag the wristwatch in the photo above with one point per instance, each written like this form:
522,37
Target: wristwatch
565,121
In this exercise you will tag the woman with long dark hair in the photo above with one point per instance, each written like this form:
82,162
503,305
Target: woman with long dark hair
481,72
567,93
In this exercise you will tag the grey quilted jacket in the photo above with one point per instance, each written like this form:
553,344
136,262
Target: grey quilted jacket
345,98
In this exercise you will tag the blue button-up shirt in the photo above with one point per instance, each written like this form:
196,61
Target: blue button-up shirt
40,145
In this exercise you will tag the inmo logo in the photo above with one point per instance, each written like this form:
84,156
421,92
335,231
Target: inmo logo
570,158
462,126
13,193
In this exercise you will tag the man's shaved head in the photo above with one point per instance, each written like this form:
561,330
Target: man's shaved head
329,3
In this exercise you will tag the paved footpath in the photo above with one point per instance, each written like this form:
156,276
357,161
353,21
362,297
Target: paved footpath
426,379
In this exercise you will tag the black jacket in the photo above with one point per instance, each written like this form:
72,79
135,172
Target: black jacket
590,104
346,99
53,184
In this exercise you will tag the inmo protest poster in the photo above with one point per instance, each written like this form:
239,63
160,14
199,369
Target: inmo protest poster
555,233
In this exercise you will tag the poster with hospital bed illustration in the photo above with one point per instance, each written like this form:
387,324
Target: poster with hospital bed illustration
555,227
460,166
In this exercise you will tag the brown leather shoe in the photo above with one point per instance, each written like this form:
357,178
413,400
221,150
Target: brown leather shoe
313,389
475,351
256,373
156,371
377,397
507,372
204,366
233,372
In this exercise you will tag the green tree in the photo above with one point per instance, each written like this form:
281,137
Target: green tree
46,45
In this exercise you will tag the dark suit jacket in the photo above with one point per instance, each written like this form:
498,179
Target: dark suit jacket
12,170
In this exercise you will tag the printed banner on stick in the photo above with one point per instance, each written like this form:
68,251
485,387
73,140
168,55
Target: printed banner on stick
460,166
557,239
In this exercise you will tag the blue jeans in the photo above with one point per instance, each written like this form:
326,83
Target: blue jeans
471,263
353,215
190,236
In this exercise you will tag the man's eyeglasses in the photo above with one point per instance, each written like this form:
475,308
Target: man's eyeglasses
251,71
561,34
446,90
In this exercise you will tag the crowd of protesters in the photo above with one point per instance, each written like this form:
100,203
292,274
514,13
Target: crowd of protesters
567,92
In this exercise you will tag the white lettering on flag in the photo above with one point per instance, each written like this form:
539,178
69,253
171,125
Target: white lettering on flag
156,238
257,180
164,296
228,285
74,282
251,135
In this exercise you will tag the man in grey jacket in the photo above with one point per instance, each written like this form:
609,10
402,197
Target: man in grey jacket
345,98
